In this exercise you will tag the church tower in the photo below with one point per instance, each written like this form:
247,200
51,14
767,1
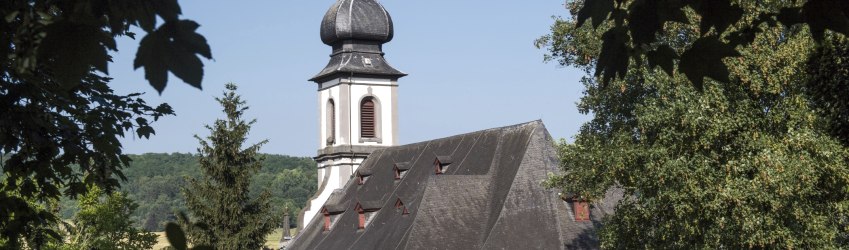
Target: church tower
357,95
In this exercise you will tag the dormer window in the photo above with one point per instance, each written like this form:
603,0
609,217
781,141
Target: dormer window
399,205
366,212
401,170
441,163
362,177
331,216
582,210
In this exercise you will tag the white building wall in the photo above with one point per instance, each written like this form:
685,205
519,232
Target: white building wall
381,89
337,171
383,94
337,176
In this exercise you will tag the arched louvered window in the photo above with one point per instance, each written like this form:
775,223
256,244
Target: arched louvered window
331,122
367,118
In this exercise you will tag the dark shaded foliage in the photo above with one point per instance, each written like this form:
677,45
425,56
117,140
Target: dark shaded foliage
721,27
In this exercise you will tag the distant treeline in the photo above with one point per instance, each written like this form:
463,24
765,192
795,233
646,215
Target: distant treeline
154,182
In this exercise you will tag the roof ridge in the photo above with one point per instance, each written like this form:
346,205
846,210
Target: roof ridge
490,227
537,122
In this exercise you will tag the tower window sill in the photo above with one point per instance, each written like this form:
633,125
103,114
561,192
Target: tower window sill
378,140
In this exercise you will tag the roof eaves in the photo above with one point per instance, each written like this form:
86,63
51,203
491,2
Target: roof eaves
402,165
444,159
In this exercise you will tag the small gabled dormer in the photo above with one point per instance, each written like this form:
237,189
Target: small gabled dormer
399,206
401,169
366,212
582,209
580,206
362,176
331,215
441,163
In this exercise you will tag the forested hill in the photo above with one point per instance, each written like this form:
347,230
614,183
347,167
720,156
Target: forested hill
154,181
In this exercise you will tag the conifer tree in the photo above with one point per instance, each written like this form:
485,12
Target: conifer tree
219,199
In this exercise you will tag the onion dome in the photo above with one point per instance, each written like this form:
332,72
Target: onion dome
356,20
357,30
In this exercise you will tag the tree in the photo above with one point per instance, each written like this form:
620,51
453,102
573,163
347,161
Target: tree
220,197
633,28
70,38
104,223
61,120
56,138
748,164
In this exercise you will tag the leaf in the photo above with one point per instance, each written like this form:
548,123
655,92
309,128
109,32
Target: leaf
598,10
72,50
173,47
145,131
646,18
613,59
11,16
745,36
826,14
719,14
151,55
790,16
169,10
704,59
5,42
663,57
175,236
187,36
644,21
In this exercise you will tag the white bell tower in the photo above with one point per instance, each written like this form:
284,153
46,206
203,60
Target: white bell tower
357,95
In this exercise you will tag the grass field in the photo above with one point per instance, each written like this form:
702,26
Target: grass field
271,241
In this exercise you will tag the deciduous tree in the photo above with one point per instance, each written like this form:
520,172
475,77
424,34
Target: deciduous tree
748,164
634,30
61,121
103,222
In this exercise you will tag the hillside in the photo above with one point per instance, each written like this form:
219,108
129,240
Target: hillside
154,181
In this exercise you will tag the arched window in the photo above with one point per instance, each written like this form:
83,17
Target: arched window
367,118
331,122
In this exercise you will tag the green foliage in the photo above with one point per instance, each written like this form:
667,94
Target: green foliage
634,27
70,38
751,164
154,182
62,122
58,138
828,84
36,234
219,199
103,222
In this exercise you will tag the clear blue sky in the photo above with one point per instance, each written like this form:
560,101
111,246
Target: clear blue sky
471,64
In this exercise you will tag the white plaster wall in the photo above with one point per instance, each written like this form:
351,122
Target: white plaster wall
340,171
384,98
380,89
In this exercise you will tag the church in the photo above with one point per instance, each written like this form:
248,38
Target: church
480,190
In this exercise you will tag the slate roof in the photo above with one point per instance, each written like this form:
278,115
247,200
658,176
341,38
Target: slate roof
357,29
490,196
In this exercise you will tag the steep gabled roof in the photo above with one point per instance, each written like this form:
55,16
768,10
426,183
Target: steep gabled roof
490,197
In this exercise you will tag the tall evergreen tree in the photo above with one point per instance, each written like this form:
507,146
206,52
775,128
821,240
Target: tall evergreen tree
220,197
